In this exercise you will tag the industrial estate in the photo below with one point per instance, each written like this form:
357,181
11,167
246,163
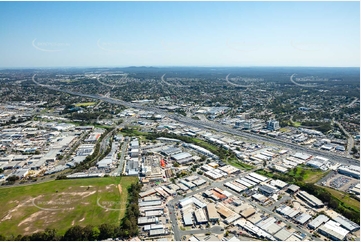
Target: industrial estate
182,154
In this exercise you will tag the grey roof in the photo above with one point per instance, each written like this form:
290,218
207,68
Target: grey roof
346,223
181,156
187,219
303,218
318,221
282,235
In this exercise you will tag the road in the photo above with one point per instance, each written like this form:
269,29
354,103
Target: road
352,103
217,127
119,170
233,84
350,141
301,85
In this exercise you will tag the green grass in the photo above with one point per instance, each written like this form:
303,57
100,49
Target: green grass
85,104
296,124
309,175
240,165
284,130
61,204
344,198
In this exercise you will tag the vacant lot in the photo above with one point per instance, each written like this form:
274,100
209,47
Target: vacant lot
61,204
85,104
307,174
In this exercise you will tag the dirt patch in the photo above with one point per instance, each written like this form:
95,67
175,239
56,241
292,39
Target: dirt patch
15,211
109,186
31,219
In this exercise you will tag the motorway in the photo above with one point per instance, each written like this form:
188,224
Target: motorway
217,127
233,84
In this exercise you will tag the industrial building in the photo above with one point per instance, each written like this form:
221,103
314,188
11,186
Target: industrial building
310,199
333,230
353,171
347,224
212,212
303,218
320,219
200,216
182,158
267,190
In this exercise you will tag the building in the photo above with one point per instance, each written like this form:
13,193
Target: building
212,212
353,171
273,125
283,235
187,219
293,188
310,199
200,216
267,190
333,230
182,158
146,220
248,212
314,224
347,224
303,218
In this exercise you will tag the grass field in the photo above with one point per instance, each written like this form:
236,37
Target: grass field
61,204
240,165
85,104
284,130
296,124
345,198
308,175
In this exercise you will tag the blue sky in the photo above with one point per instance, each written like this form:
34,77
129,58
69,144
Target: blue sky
60,34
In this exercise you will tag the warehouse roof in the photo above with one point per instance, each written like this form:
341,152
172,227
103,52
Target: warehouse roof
333,229
318,221
346,223
212,212
181,156
187,219
283,235
303,218
248,212
200,216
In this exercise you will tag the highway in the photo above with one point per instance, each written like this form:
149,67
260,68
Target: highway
301,85
217,127
233,84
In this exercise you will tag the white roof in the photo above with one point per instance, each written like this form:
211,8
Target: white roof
334,229
318,221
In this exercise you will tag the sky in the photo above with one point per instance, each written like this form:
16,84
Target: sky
118,34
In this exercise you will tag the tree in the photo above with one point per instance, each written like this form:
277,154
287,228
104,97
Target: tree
74,233
106,231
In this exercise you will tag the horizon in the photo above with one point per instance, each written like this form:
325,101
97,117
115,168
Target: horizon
141,66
